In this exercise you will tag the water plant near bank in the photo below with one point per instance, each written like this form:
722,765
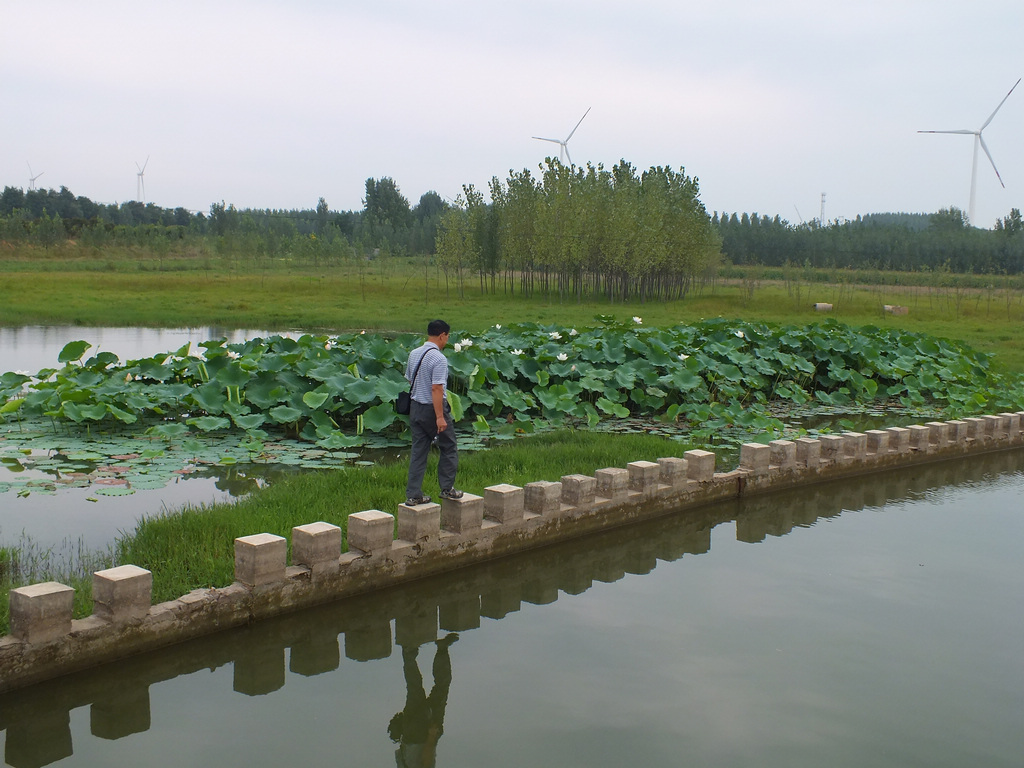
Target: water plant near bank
336,392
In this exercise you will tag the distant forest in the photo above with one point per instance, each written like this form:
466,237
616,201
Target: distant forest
389,224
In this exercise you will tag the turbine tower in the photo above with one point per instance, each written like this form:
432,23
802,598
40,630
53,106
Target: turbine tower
563,144
980,142
31,178
140,184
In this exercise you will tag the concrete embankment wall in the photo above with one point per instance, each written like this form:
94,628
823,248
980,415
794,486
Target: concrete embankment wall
434,538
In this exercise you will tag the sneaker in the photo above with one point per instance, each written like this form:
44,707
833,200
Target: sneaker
415,501
451,493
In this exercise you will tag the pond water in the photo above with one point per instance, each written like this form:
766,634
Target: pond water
868,622
79,514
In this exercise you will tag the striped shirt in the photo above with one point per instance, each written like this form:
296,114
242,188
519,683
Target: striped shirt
434,370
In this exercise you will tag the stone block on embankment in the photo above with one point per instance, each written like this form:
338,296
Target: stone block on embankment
579,490
504,503
317,546
612,482
939,434
644,477
783,454
878,442
755,457
371,532
260,559
957,432
700,465
122,594
419,523
832,447
542,497
920,437
855,446
899,439
41,612
808,452
464,516
672,471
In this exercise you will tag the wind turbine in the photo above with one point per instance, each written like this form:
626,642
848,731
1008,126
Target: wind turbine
563,145
140,186
979,141
31,178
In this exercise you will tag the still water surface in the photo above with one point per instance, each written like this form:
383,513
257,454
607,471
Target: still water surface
876,622
75,514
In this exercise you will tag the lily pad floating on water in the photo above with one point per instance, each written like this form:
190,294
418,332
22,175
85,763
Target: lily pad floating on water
115,491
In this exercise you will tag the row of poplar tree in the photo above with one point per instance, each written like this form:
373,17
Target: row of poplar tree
579,232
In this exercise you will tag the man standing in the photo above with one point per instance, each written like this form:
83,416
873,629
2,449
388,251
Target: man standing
430,417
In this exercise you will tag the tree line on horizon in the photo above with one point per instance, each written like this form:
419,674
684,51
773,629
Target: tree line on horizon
568,231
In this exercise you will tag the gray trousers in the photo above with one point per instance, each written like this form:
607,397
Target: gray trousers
423,425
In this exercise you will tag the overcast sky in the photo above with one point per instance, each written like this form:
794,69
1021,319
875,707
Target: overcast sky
275,104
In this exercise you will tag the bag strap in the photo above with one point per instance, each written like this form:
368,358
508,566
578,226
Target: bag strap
415,373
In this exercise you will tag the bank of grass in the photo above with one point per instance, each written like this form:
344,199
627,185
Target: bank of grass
193,547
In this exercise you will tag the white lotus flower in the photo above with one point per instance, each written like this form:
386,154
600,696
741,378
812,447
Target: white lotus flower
467,343
574,332
683,357
458,346
555,335
497,327
573,368
739,334
22,373
562,356
637,320
517,351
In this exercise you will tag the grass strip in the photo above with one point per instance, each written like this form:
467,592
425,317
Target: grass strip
193,547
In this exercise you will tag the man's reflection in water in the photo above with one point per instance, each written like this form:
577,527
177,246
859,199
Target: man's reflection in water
418,727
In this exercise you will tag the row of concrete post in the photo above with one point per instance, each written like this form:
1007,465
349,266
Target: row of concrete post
433,538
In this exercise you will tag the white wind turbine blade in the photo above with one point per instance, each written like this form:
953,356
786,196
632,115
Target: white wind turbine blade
962,130
989,155
985,124
541,138
578,124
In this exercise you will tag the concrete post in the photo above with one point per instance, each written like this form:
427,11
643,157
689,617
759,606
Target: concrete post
504,503
1011,422
464,515
122,594
783,454
808,452
700,466
419,523
673,471
260,559
878,442
754,457
920,437
957,431
578,490
855,445
612,482
41,612
832,448
542,497
644,476
899,439
370,532
975,428
939,436
317,546
992,426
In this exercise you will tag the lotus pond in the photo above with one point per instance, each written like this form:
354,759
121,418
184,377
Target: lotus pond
99,427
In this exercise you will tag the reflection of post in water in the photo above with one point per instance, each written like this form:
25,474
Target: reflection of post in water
418,727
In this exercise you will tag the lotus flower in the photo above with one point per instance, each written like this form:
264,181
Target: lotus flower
562,356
